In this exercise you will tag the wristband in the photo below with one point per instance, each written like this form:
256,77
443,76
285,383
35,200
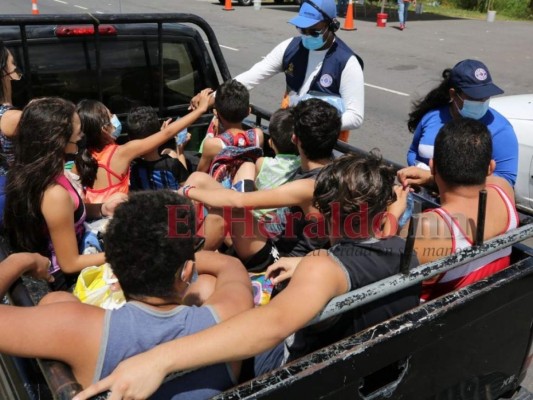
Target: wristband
186,190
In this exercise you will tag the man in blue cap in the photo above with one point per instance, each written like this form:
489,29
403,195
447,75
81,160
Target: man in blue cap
316,64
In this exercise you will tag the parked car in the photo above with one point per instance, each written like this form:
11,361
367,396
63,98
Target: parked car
518,110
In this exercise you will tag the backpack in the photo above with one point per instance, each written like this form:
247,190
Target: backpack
240,147
226,163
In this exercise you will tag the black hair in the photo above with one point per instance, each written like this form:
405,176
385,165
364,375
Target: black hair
43,132
232,101
142,122
317,125
355,184
93,116
463,151
280,129
437,97
148,241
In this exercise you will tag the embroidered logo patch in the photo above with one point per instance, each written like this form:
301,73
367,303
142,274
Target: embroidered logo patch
480,74
326,80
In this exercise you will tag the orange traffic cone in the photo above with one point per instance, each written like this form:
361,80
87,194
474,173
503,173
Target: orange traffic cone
227,6
34,7
348,22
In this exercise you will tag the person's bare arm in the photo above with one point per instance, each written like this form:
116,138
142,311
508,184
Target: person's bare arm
18,264
135,148
9,122
415,176
212,146
296,193
315,282
58,211
233,289
50,331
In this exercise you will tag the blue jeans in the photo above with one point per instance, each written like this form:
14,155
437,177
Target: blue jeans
403,7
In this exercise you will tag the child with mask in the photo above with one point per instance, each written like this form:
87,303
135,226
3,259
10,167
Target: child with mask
104,166
464,92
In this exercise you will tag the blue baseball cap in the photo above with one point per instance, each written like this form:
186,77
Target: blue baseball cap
309,15
473,78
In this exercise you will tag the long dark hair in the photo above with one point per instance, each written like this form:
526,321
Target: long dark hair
436,98
43,132
4,55
93,116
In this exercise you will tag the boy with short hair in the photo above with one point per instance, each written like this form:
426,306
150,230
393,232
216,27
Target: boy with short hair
158,169
232,106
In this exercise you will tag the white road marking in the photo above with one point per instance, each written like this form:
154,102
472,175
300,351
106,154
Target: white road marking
98,12
59,1
83,8
387,90
226,47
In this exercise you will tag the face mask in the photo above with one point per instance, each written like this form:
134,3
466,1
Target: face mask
313,43
118,126
474,109
194,276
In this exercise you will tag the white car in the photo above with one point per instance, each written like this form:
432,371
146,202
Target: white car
519,111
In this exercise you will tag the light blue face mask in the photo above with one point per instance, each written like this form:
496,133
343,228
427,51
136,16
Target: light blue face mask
313,43
194,276
474,109
117,125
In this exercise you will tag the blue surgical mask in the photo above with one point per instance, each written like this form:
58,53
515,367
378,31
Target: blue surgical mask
117,125
194,276
313,43
474,109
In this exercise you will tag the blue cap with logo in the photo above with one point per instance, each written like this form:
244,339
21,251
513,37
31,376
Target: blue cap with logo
473,78
309,15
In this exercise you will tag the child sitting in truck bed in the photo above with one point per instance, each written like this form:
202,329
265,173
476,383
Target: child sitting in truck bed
154,170
232,106
461,167
104,167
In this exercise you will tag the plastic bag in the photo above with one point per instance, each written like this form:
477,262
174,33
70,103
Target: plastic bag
262,288
94,286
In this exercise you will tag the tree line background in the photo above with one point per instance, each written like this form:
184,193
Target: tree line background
512,8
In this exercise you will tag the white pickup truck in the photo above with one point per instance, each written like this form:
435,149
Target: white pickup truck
519,111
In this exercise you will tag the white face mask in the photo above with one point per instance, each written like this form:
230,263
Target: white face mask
474,109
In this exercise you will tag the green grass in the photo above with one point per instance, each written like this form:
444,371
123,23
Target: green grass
450,11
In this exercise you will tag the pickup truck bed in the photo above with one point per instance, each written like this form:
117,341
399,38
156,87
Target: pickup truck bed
471,344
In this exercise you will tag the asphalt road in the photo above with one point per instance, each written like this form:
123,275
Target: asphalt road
400,66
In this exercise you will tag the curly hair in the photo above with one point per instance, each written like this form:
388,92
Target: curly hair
437,97
355,184
149,239
44,130
232,101
317,124
93,116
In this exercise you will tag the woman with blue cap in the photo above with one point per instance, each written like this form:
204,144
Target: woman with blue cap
316,64
464,92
